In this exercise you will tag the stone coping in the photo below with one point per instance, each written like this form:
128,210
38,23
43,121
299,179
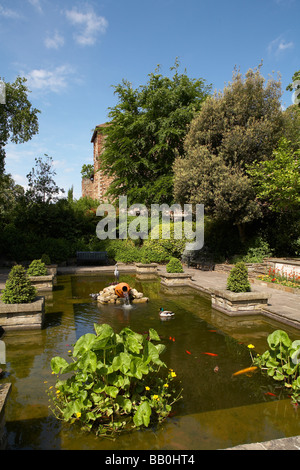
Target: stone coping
240,296
175,275
294,261
48,277
145,265
34,306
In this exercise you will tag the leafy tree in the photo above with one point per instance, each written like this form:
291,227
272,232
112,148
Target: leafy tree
42,187
147,129
277,181
295,86
235,127
291,117
10,194
242,123
87,171
18,119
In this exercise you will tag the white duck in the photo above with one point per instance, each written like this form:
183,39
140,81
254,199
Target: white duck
165,313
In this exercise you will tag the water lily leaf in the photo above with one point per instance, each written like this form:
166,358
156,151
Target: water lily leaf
105,334
153,335
111,391
88,362
84,343
142,415
278,338
58,364
125,403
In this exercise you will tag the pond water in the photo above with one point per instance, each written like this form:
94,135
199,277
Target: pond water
217,410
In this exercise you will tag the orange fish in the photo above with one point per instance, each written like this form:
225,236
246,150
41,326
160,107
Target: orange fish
188,352
209,354
271,394
212,331
171,339
244,371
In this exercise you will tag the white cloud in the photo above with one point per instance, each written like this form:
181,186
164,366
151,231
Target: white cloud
54,42
54,80
36,4
89,23
8,13
279,45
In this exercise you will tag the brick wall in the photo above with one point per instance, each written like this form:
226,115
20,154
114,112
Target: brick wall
97,187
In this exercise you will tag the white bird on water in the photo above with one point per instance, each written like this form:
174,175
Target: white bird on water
116,272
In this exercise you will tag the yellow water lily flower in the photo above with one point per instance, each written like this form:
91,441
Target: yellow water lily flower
166,385
173,374
147,388
251,346
155,397
78,415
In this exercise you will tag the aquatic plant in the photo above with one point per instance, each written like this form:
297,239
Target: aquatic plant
282,362
18,288
117,382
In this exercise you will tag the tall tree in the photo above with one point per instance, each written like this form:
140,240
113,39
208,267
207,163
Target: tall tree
146,131
235,127
18,118
42,187
277,181
295,87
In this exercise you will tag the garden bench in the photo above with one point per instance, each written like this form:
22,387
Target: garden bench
92,257
202,264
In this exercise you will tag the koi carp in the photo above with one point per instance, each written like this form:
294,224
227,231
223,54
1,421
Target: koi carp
244,371
209,354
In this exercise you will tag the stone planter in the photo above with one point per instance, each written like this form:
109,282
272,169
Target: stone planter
42,283
51,269
146,271
146,268
175,279
22,316
238,303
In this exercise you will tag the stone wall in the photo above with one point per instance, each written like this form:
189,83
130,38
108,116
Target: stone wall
98,185
254,269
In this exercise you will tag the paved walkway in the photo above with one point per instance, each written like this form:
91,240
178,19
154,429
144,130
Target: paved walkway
283,306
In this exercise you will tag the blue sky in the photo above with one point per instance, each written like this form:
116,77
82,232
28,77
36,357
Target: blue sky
72,53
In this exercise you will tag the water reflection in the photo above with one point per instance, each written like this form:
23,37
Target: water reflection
217,410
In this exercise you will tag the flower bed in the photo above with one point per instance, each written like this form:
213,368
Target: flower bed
279,276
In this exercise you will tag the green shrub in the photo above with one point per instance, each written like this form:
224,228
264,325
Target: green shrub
257,251
114,382
126,252
238,279
174,266
18,288
37,268
45,258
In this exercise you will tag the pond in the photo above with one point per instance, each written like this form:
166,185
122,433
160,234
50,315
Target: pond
217,410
